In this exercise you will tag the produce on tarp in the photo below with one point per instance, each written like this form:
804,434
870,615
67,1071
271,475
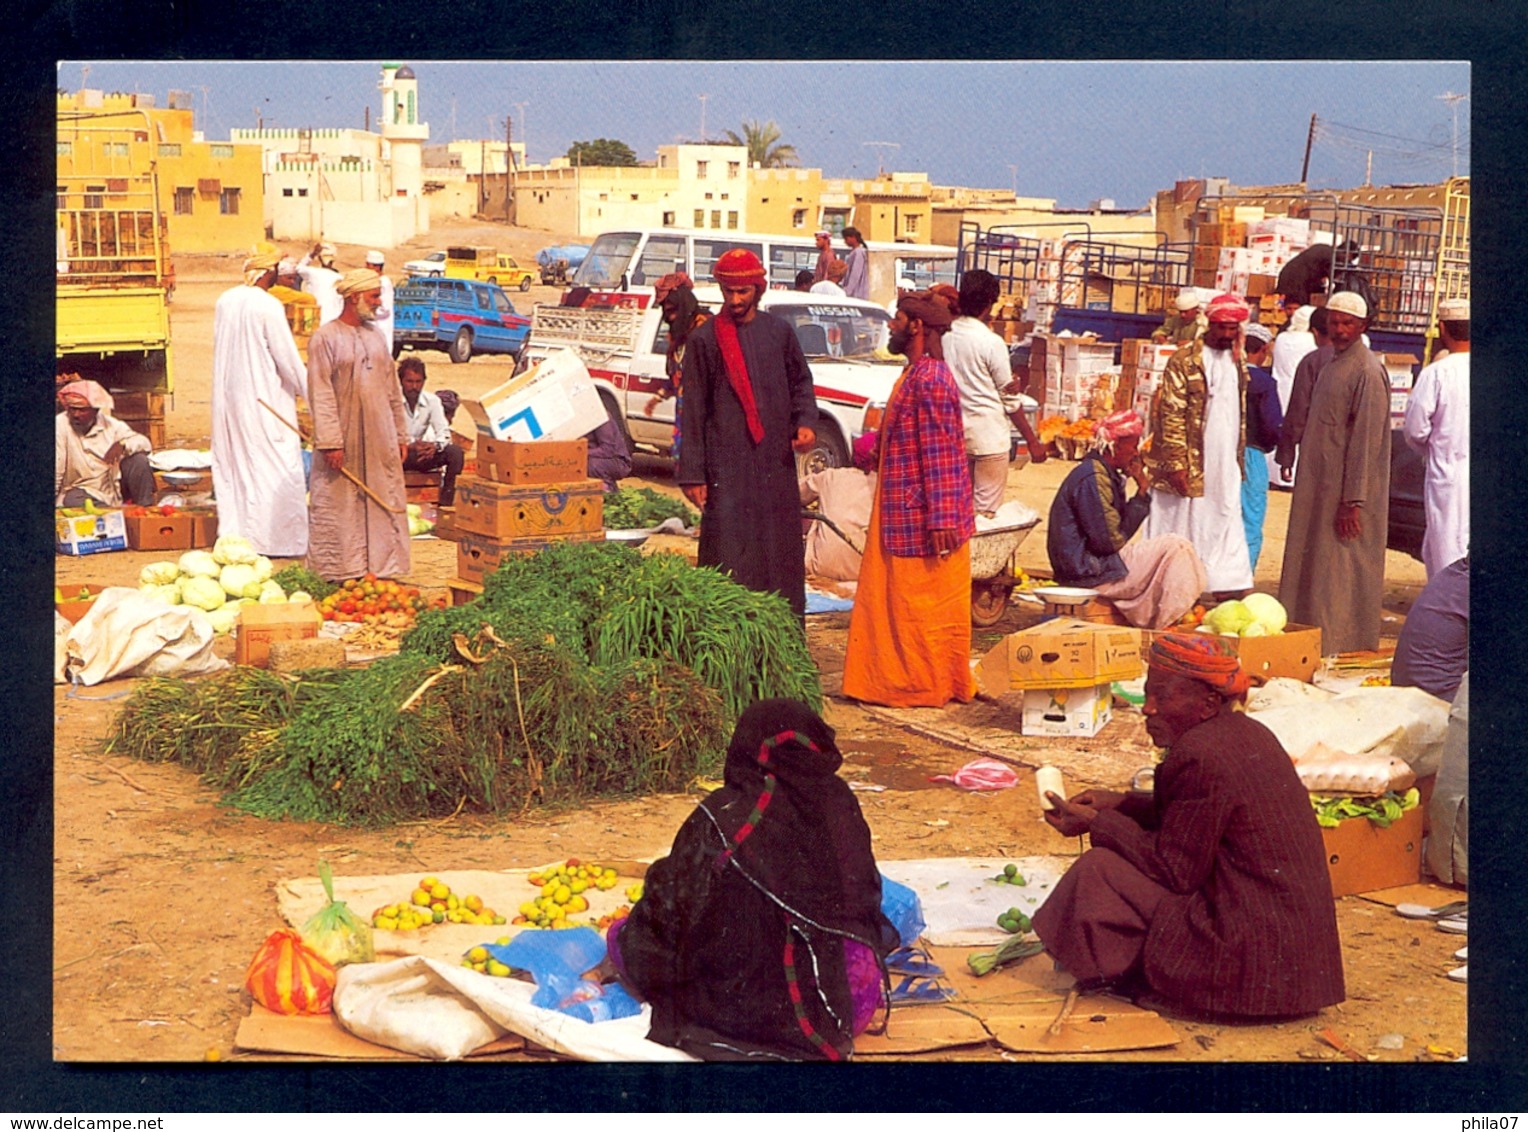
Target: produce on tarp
1017,947
481,961
586,670
300,580
199,564
1013,921
231,549
334,931
433,902
1011,875
639,508
1256,615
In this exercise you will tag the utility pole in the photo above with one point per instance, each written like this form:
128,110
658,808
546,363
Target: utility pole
703,98
525,137
1453,101
509,150
1310,137
1014,169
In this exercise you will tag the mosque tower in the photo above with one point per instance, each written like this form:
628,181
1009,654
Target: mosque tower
403,134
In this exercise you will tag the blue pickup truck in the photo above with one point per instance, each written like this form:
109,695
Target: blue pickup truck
460,316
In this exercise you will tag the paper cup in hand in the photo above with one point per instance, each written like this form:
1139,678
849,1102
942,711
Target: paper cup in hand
1048,780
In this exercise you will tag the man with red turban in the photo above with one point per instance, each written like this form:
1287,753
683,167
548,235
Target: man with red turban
1197,440
95,454
910,631
1210,896
1152,582
748,407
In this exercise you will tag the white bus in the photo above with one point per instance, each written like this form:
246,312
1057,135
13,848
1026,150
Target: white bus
633,259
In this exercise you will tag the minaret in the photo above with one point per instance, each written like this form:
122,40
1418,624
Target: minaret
403,134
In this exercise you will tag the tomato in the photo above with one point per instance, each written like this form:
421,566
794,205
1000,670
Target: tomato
347,606
370,577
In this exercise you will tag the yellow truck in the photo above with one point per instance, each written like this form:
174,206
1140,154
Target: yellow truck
113,288
488,266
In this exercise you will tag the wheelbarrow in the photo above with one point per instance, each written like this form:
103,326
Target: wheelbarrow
993,577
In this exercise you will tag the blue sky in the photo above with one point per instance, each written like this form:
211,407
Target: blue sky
1075,131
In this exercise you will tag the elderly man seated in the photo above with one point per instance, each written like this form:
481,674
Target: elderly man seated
1153,582
96,455
1210,896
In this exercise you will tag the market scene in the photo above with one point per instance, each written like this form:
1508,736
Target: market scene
689,604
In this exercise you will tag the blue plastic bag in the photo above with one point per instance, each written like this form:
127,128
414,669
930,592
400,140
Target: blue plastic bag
901,906
558,960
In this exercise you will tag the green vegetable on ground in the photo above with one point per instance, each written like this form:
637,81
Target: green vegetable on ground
985,962
299,579
637,508
1382,811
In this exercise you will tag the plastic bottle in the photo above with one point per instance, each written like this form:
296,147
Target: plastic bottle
1048,780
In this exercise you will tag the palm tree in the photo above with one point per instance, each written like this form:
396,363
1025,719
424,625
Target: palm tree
764,146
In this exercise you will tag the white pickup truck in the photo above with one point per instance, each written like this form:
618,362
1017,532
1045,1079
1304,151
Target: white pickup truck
624,347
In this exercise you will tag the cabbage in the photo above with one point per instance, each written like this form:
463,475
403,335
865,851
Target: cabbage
202,592
271,592
1255,629
238,580
298,595
1267,611
231,549
262,566
158,573
224,619
199,564
1229,618
168,593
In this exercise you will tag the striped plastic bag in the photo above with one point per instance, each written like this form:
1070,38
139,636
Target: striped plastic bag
289,977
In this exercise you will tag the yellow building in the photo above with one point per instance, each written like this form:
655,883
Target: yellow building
893,208
210,192
1035,217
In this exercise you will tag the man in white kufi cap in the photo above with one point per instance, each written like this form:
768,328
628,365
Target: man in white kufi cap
384,322
1438,426
1334,555
319,277
1187,321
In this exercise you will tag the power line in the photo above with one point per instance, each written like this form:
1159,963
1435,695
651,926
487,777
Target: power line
1392,137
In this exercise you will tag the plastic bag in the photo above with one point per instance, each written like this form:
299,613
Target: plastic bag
981,774
289,977
900,905
334,931
558,960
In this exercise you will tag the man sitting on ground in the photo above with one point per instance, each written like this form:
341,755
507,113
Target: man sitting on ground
430,443
1153,582
1209,897
96,455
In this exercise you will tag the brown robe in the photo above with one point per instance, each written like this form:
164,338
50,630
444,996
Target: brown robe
358,406
1339,584
1215,889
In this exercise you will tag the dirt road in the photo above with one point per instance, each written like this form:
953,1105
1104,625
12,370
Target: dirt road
162,895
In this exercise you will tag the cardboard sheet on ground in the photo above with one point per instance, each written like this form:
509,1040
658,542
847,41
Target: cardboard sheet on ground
321,1035
961,902
504,892
1427,894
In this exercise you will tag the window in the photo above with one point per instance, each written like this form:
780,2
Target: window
700,218
708,251
724,196
910,225
183,200
228,202
700,170
662,255
733,169
798,218
606,196
708,196
65,148
668,219
302,192
732,220
115,149
716,218
93,198
221,150
169,149
286,192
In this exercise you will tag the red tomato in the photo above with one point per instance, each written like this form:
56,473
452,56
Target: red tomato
347,606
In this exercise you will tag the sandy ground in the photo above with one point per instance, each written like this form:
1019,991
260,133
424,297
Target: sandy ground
177,890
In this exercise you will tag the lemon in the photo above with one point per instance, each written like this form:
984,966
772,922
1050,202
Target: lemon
562,894
387,923
474,903
502,940
452,903
478,954
497,969
578,886
420,897
578,904
428,882
439,891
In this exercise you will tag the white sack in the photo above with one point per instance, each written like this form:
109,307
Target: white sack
61,627
433,1009
1404,723
129,633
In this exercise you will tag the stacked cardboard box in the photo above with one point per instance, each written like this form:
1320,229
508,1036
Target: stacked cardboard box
143,411
1141,365
1066,371
1401,369
529,495
1064,668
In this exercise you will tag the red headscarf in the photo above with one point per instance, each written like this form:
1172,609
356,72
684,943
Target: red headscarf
1228,308
1203,657
670,283
86,393
739,267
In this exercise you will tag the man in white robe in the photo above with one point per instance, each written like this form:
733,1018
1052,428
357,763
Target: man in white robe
319,279
1197,442
257,474
384,320
1293,343
1438,426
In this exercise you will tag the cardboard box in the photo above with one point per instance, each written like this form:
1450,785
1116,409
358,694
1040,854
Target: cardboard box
514,511
463,591
1260,285
477,557
72,607
151,427
204,528
136,403
1076,712
1064,653
160,532
1296,652
1362,857
90,534
535,461
553,400
261,625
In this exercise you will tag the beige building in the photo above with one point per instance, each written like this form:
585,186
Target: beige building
1035,217
210,193
346,185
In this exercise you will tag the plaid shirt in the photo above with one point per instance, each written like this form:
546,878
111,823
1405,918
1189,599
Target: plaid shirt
924,481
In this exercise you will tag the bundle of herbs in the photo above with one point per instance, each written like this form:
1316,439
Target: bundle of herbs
639,508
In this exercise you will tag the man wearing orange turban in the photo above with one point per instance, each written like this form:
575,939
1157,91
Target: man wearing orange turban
1210,896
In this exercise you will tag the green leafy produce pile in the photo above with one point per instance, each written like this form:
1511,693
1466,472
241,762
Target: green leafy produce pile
299,579
637,508
1383,810
588,670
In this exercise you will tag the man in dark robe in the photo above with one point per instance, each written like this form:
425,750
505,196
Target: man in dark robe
1210,897
748,402
1334,554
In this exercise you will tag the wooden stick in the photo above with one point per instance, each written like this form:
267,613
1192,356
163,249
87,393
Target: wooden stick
344,471
1066,1011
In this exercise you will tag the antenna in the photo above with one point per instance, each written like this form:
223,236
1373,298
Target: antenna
525,140
880,163
1453,101
703,98
1014,169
